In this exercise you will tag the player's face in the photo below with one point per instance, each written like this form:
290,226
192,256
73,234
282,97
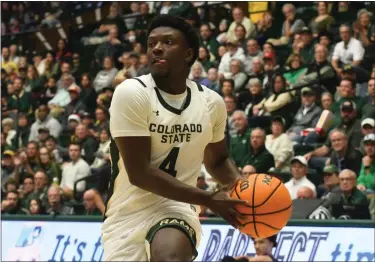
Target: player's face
167,51
262,246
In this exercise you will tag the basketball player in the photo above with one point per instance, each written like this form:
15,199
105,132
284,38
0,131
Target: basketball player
164,126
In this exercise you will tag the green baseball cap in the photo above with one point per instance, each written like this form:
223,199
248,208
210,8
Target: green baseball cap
330,169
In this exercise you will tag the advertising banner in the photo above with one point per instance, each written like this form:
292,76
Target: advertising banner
80,241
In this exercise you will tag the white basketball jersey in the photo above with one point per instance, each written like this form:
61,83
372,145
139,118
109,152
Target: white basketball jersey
178,138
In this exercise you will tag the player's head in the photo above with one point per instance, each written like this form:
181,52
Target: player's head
172,45
264,246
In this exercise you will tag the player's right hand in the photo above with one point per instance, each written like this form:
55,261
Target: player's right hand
224,206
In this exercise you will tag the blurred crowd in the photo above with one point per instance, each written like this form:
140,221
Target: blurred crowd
298,82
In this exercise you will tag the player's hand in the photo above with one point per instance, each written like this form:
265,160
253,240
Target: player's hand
224,206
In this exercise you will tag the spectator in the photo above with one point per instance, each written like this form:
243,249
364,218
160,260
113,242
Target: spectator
326,39
7,128
88,94
279,144
348,51
21,101
263,247
197,73
347,93
227,88
330,182
295,69
102,122
324,21
305,193
204,58
76,105
208,40
257,69
88,144
134,8
51,67
230,105
258,156
240,33
222,34
326,101
276,103
366,179
26,191
45,120
368,110
142,22
7,167
349,124
271,68
77,66
253,51
49,165
56,204
240,138
50,90
247,171
62,52
291,25
112,47
299,171
253,96
36,207
144,65
239,78
349,195
364,31
11,205
344,156
6,63
102,155
55,150
13,53
76,169
240,18
105,77
91,201
62,97
27,162
128,70
23,132
212,80
234,52
307,115
306,50
33,82
40,187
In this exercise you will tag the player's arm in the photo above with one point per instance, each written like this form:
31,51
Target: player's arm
216,154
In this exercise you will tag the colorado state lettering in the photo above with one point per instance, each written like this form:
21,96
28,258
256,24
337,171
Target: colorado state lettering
175,133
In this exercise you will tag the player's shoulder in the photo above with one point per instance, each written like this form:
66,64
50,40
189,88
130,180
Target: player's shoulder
134,86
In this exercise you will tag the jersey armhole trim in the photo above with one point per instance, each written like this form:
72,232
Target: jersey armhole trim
200,88
140,81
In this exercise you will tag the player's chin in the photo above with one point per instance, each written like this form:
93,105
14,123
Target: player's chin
159,72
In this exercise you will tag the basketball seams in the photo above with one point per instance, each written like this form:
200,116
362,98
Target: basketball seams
253,207
270,195
269,213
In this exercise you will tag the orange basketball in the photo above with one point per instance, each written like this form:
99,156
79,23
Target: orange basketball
269,205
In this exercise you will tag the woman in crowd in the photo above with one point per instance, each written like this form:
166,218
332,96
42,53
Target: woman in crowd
104,77
49,165
323,21
36,207
204,58
295,69
103,152
279,145
88,94
251,97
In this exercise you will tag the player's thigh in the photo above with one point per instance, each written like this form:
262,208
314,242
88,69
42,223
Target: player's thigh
171,239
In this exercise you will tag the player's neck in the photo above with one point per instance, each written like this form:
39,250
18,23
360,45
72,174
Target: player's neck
171,85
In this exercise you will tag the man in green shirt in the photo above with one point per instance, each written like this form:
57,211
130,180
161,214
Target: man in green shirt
350,195
366,179
240,139
347,93
207,40
369,108
258,157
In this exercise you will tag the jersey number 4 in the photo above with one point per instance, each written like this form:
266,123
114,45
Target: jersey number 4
169,163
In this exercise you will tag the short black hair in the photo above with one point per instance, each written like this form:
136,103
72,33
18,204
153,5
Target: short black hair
176,22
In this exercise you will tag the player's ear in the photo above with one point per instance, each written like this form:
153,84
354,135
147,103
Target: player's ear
189,55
